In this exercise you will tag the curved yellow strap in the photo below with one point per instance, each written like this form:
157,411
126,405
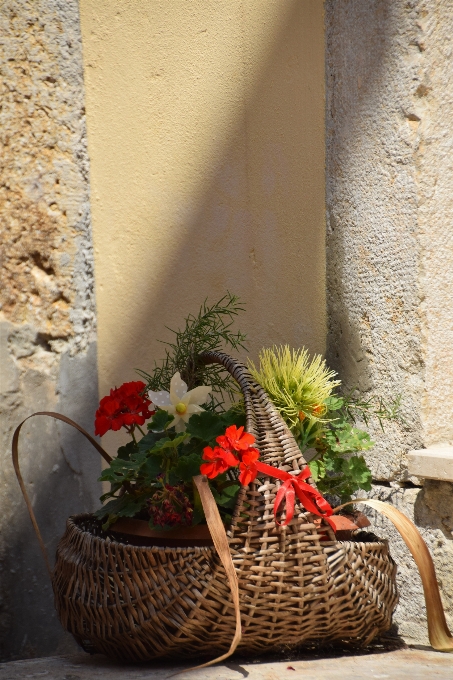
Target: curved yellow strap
220,541
15,455
439,634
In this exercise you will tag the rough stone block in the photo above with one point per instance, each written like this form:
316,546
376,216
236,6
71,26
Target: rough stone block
389,189
431,508
47,313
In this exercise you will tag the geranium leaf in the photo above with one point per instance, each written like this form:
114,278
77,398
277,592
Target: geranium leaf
357,472
160,420
334,403
127,505
150,469
147,442
168,443
188,466
206,426
108,475
317,469
345,438
226,498
125,452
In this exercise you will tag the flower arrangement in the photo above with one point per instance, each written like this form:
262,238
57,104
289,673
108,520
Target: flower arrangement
191,430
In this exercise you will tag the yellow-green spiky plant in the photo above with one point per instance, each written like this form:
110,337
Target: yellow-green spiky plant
297,384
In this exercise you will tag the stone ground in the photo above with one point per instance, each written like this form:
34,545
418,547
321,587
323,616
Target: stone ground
395,664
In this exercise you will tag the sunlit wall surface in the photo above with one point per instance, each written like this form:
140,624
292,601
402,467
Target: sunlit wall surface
206,140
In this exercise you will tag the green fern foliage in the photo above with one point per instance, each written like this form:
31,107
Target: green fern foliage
210,329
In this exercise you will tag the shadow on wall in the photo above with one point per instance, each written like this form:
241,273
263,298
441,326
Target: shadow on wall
255,225
374,60
60,469
434,507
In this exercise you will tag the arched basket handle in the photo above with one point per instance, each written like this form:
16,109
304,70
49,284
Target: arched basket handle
273,437
15,457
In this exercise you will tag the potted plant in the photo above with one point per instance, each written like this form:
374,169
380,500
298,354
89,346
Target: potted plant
196,425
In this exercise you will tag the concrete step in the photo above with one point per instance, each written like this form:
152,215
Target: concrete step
403,664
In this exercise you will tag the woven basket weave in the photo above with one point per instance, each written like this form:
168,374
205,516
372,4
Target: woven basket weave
141,603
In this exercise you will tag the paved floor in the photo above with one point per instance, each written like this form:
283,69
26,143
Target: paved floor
410,664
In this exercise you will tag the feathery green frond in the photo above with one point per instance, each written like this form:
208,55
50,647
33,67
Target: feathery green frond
298,385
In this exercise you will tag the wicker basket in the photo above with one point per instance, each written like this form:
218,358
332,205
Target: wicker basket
141,603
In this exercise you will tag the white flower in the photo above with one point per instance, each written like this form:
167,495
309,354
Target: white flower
179,402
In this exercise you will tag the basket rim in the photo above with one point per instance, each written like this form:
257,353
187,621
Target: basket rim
73,522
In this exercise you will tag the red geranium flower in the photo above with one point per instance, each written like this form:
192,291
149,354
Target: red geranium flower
126,406
235,439
247,467
107,415
219,461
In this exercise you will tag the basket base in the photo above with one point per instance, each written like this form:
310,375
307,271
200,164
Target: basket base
138,604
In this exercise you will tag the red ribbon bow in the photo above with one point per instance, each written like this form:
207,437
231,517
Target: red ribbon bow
294,485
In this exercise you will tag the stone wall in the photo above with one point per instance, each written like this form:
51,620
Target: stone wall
47,317
389,78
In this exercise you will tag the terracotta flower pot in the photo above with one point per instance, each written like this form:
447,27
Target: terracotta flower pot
137,532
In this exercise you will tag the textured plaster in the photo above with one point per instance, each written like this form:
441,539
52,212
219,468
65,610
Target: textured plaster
206,140
389,77
433,104
47,323
389,200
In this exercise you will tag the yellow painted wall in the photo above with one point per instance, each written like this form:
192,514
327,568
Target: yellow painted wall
206,142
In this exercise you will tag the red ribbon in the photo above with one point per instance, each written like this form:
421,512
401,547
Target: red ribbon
294,485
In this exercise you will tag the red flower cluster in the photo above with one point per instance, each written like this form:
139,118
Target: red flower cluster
170,507
235,449
125,406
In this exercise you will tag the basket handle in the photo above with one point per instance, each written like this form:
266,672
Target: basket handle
261,416
438,632
15,456
221,544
